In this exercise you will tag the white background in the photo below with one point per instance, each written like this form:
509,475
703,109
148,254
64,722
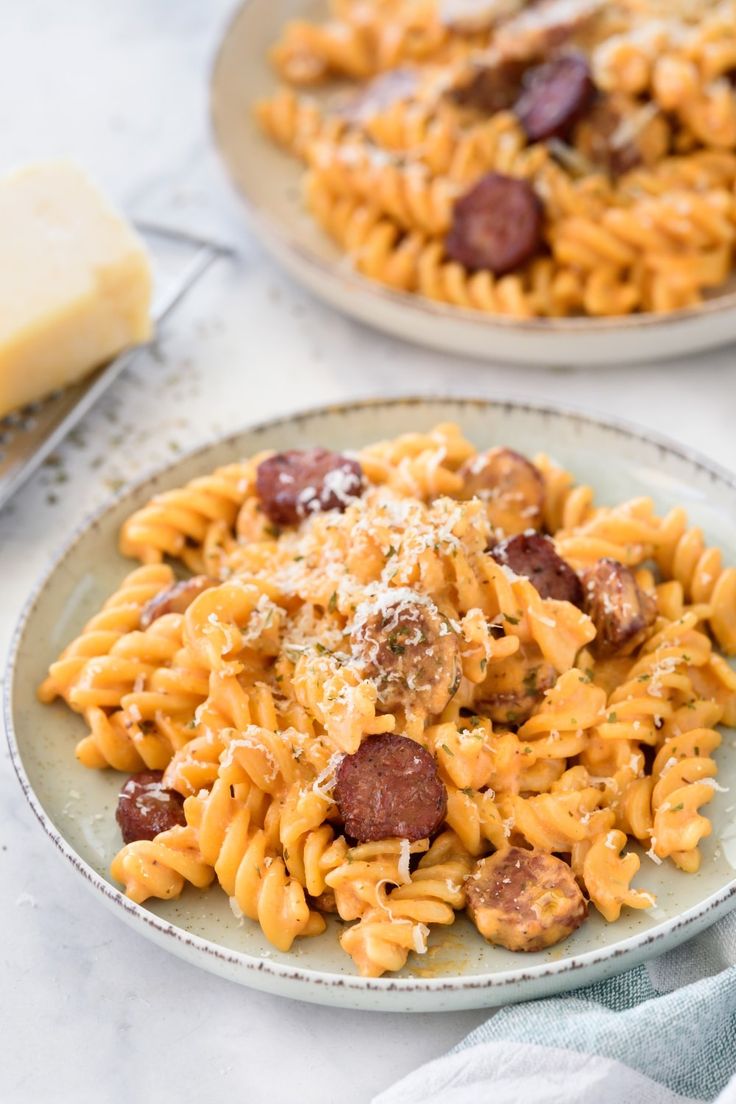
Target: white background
90,1011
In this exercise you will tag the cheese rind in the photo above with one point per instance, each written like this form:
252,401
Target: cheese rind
75,282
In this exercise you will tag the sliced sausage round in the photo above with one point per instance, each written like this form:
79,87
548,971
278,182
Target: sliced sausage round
497,225
513,687
175,599
293,484
535,556
490,86
620,610
555,97
402,642
390,787
511,487
146,808
524,900
618,135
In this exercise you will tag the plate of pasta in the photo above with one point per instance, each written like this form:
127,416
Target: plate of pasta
380,706
548,181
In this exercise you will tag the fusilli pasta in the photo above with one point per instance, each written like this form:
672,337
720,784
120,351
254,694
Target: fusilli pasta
460,679
615,123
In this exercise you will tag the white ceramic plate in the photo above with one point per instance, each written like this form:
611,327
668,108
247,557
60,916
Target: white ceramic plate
269,182
76,806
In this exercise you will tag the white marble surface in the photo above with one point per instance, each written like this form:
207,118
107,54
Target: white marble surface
89,1010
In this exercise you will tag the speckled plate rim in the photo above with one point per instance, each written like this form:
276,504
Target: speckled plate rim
312,985
277,238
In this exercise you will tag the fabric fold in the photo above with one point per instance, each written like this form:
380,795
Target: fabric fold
660,1033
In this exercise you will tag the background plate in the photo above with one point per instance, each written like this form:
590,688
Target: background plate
270,183
76,806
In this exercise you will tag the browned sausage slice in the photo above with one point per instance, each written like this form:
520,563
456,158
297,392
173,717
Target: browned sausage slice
408,649
510,485
619,609
175,599
524,900
535,556
293,484
619,134
514,686
555,97
145,808
490,86
390,787
497,225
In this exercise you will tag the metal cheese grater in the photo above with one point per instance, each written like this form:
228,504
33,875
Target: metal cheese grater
28,435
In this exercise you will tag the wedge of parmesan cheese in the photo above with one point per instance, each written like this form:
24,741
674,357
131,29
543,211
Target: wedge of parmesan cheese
75,282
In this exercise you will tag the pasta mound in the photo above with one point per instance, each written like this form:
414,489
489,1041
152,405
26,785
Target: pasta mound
560,723
633,165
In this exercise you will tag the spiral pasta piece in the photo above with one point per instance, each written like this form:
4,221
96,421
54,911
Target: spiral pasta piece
683,555
311,850
295,122
657,683
386,934
307,54
607,875
684,69
633,808
227,822
340,700
682,239
367,39
119,616
229,709
557,820
217,623
410,262
566,505
684,774
358,882
475,819
573,706
176,523
161,867
109,742
627,533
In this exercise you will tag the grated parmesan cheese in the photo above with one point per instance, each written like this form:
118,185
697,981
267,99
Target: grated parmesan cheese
420,934
403,864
